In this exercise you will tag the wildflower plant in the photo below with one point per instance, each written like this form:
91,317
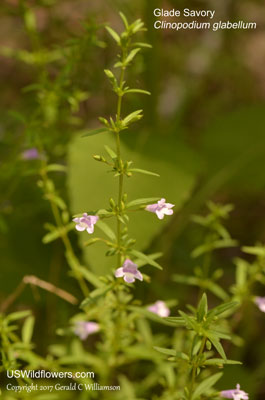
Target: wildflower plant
119,243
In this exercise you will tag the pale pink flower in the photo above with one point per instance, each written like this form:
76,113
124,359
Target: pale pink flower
235,394
129,272
83,329
86,222
260,301
161,208
159,308
31,154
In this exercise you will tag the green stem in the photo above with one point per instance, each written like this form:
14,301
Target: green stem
119,160
64,236
195,366
206,264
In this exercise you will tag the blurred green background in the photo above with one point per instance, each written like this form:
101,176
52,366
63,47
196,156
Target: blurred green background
203,132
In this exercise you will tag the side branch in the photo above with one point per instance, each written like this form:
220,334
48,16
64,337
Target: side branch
33,280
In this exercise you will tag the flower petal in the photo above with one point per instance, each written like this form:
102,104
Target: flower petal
167,211
119,272
80,228
138,275
169,205
151,208
94,219
161,202
129,278
160,214
90,229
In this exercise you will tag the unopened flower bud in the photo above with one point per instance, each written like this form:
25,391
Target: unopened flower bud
124,197
109,74
112,203
97,158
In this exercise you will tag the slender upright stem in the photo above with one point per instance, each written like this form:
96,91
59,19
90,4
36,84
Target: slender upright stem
195,366
119,160
64,236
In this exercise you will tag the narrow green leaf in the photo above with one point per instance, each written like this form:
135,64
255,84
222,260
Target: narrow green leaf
220,335
221,309
215,341
218,291
93,132
153,256
18,315
167,352
142,44
241,272
220,361
27,329
256,251
143,171
56,167
145,258
176,321
131,55
118,64
134,116
208,247
58,201
51,236
190,321
202,308
138,91
110,152
139,202
91,241
113,34
188,280
206,385
137,26
125,21
106,229
109,74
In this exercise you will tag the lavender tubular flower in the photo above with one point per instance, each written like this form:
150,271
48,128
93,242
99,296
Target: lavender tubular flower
159,308
83,329
235,394
129,272
31,154
86,222
260,302
161,208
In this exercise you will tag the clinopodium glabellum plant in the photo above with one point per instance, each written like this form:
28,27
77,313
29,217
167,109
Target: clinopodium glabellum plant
122,246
